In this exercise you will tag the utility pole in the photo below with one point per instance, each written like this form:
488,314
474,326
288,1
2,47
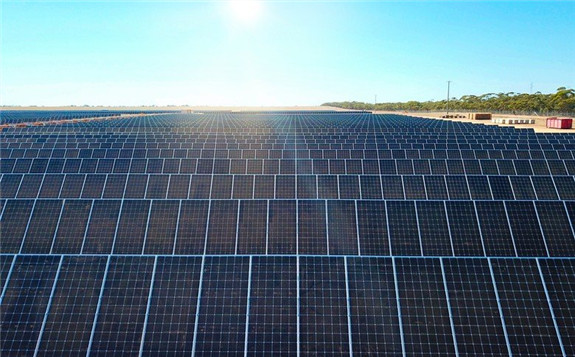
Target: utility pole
448,84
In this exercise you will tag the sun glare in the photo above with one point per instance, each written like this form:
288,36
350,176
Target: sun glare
246,11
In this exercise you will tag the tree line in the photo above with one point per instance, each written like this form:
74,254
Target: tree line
560,102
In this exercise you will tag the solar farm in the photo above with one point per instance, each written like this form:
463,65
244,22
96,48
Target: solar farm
286,233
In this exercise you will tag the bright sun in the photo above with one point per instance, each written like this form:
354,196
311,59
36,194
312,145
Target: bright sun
245,10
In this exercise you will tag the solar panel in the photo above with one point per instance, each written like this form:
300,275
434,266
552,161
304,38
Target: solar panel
477,325
172,308
25,301
425,316
286,233
221,319
323,306
521,294
73,306
121,313
273,309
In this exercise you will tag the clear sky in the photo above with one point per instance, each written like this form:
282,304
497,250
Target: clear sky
280,52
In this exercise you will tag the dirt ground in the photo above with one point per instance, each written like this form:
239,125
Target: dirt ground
539,126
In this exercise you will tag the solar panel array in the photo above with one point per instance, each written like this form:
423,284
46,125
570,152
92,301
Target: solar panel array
23,116
286,233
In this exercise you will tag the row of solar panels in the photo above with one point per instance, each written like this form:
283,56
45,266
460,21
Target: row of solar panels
97,151
311,122
190,127
290,167
368,134
254,144
333,227
231,136
21,116
288,187
65,305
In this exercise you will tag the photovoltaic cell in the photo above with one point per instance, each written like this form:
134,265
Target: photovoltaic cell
522,188
51,186
526,231
525,308
435,237
222,227
243,187
414,187
178,187
221,187
172,311
115,185
223,306
373,307
349,187
252,227
5,264
73,306
192,227
72,186
120,319
476,319
136,186
93,186
72,226
403,229
342,227
495,229
10,185
25,302
457,187
479,188
544,187
161,227
264,186
132,225
559,277
556,228
157,186
14,222
285,187
41,227
372,226
273,306
424,311
323,309
306,187
282,227
312,235
371,187
101,227
392,187
27,189
436,188
501,188
565,187
464,230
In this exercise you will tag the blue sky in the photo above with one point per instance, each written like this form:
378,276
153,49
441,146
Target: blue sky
280,52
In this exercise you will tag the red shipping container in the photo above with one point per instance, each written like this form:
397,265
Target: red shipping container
559,123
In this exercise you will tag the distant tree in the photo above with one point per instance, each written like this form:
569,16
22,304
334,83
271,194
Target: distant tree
563,101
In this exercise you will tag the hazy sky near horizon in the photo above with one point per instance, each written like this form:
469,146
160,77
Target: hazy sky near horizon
279,52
